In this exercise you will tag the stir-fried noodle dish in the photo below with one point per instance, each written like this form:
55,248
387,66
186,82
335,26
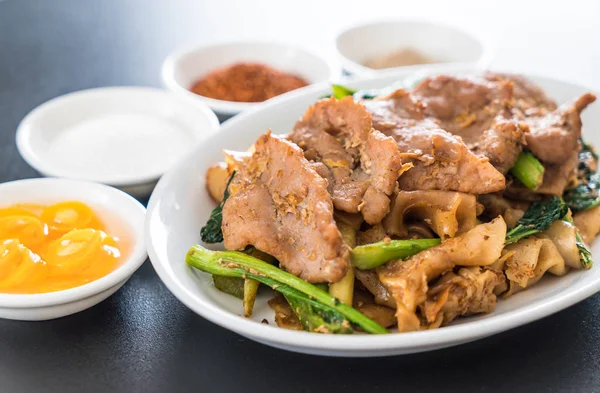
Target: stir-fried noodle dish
405,209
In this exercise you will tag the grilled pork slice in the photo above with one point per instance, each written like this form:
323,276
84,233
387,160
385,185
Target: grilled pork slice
407,281
479,111
441,161
280,205
531,99
554,137
553,131
363,163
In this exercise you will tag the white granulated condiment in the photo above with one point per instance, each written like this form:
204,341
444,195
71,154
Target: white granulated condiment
119,146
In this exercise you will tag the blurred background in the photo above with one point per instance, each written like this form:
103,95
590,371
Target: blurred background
554,38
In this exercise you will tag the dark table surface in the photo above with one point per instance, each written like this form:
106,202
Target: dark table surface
141,338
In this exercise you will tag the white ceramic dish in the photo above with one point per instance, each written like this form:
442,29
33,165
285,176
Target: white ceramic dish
180,205
182,68
446,44
107,202
126,137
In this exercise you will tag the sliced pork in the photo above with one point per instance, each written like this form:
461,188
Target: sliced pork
440,160
479,111
528,97
554,137
363,163
280,205
554,131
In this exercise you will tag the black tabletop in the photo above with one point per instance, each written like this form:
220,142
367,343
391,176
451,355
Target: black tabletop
142,338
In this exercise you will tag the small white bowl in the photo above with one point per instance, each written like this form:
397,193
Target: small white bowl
130,135
184,67
106,201
445,44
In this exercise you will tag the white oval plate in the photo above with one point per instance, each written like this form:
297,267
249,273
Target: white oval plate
180,206
139,162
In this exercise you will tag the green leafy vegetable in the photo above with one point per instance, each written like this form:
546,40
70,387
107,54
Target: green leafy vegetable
538,218
316,317
231,285
586,194
313,316
585,255
238,264
528,170
372,255
212,232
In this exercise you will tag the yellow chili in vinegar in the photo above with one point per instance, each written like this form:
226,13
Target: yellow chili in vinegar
51,248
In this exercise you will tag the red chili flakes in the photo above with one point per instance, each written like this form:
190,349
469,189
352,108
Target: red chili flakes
246,82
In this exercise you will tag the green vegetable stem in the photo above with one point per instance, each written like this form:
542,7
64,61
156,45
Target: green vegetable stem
528,170
369,256
238,264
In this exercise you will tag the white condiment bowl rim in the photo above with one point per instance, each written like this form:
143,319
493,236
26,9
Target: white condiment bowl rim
25,131
135,211
357,69
224,107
